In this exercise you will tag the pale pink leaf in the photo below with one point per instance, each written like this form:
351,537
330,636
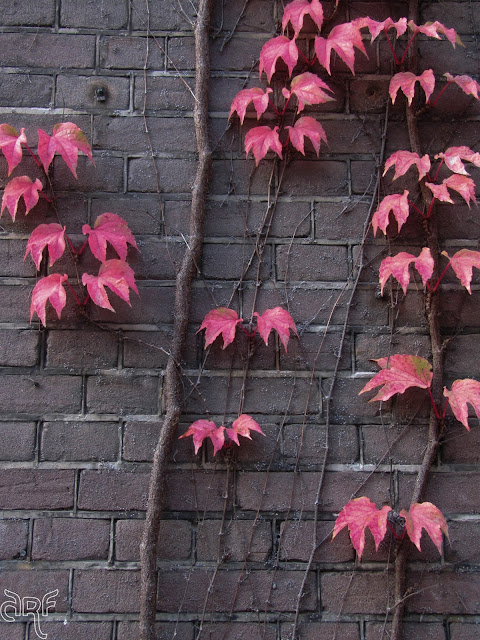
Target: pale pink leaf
306,127
358,515
434,29
463,393
260,140
462,185
110,228
342,39
279,47
453,157
67,140
398,205
11,145
296,11
425,515
467,84
398,267
406,82
440,192
278,319
117,275
48,288
403,160
258,96
21,187
46,235
220,321
377,27
242,427
201,429
462,263
308,88
399,373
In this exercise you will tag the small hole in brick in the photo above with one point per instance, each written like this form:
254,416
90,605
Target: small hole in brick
100,94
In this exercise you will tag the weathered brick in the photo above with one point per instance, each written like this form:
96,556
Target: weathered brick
18,440
68,630
36,489
60,539
175,175
72,349
461,446
454,492
312,630
13,539
167,92
444,593
111,15
79,441
306,443
26,90
35,50
113,490
147,350
163,630
105,175
305,262
129,52
12,631
36,584
39,394
14,12
365,592
200,491
175,540
101,591
410,630
83,92
19,348
243,631
240,540
11,259
369,347
157,258
143,213
463,630
234,259
463,545
296,541
162,16
122,394
399,444
154,304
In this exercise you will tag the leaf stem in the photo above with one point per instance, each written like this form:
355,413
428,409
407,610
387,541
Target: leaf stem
409,43
437,414
37,161
75,295
395,59
440,278
441,92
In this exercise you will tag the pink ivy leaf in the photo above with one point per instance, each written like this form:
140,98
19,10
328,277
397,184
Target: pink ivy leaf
398,267
399,373
434,29
278,319
308,88
440,192
342,39
360,514
296,11
425,515
201,429
48,288
11,145
462,185
242,427
46,235
463,393
275,48
462,263
220,321
306,127
117,275
67,140
18,188
406,82
467,84
395,203
403,160
260,140
258,96
453,157
376,28
110,228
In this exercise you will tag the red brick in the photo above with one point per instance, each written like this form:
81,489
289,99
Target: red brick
105,591
113,490
241,539
461,446
463,546
36,489
399,444
454,492
199,491
70,539
79,441
239,631
36,584
124,394
68,630
296,540
13,539
314,630
410,631
18,440
175,540
163,630
365,592
147,350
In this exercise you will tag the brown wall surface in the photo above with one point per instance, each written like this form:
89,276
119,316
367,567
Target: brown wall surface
81,400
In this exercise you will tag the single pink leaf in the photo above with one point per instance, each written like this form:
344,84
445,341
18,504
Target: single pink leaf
360,514
399,373
18,188
11,145
242,427
110,228
296,11
258,96
278,319
275,48
453,157
403,160
67,140
406,82
395,203
440,192
46,235
377,27
117,275
48,288
202,429
463,393
260,140
425,515
306,127
462,185
398,267
434,29
308,88
467,84
342,39
220,321
462,263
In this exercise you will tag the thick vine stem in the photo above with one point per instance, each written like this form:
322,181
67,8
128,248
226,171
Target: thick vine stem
173,388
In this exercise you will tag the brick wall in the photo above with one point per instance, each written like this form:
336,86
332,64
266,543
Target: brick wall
81,401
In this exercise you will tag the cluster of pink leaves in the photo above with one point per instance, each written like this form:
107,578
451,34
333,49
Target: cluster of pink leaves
67,140
201,429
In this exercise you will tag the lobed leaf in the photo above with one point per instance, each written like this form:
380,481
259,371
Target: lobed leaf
308,88
21,187
467,84
117,275
461,184
462,263
395,203
343,39
376,28
220,321
258,96
110,228
278,319
260,140
306,127
434,29
406,82
48,288
46,235
201,429
296,11
11,145
403,160
398,267
242,427
67,140
275,48
399,373
463,393
425,515
453,157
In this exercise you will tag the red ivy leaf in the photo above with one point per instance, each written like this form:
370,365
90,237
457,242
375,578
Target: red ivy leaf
306,127
18,188
403,160
425,515
275,48
462,263
399,373
202,429
360,514
467,84
48,288
398,267
114,274
463,392
433,30
220,321
46,235
258,96
260,140
11,145
110,228
395,203
67,140
242,427
278,319
406,82
296,11
377,27
308,88
342,39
